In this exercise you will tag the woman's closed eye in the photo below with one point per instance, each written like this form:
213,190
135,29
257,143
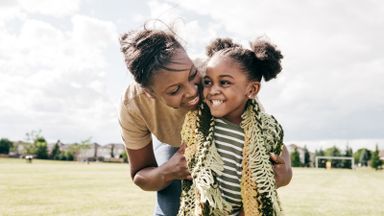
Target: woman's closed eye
174,91
193,75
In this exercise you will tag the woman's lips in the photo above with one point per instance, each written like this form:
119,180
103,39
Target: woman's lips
193,101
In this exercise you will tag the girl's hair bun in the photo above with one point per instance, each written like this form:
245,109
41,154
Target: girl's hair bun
269,57
220,44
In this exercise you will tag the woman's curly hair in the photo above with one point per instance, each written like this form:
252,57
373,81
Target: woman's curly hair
146,51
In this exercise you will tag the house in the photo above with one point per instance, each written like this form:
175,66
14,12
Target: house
301,151
381,155
97,152
20,149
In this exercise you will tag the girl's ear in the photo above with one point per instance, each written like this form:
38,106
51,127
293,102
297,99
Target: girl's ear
253,89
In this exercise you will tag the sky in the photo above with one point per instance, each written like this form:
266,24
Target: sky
62,72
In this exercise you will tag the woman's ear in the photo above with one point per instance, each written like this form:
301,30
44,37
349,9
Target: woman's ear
253,89
149,93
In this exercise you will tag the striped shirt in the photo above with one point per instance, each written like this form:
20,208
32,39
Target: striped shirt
229,140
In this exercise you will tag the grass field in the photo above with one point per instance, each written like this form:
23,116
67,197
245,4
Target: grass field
73,188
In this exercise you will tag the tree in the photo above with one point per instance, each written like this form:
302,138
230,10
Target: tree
112,151
295,158
74,149
375,160
348,153
41,148
334,151
5,145
307,157
321,162
365,156
55,153
31,138
362,156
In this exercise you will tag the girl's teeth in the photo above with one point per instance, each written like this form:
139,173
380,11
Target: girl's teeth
217,102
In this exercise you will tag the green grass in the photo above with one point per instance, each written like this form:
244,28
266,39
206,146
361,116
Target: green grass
69,188
73,188
334,192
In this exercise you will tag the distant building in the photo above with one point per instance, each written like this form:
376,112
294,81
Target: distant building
381,155
301,151
98,152
92,152
19,149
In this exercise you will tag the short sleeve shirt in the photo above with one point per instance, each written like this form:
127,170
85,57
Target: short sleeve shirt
140,116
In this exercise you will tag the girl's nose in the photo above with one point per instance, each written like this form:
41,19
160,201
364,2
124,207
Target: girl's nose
214,90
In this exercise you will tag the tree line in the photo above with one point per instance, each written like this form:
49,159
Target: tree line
37,146
362,157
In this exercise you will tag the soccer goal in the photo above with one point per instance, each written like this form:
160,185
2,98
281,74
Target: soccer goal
335,158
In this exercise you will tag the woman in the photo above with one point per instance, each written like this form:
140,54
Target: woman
166,88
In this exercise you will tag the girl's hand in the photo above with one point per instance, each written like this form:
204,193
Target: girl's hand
282,168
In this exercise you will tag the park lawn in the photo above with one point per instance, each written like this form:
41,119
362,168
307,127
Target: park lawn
340,192
75,188
69,188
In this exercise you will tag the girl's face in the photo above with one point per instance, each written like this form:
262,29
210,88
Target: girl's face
227,88
177,88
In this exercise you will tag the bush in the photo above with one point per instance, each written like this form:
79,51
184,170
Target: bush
124,156
5,146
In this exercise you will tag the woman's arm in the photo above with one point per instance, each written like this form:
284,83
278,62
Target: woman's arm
150,177
282,168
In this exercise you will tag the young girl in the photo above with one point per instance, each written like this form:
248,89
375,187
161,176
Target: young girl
229,138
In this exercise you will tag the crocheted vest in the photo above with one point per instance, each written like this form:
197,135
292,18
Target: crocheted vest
262,135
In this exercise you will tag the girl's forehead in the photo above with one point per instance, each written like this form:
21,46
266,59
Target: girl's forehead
219,60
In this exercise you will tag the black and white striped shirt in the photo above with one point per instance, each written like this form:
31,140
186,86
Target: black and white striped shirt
229,140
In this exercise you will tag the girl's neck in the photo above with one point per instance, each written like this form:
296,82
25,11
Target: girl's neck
235,120
235,117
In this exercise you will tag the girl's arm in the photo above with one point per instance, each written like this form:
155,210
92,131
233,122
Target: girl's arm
282,168
148,176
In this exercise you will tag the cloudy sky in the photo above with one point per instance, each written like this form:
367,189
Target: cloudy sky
61,70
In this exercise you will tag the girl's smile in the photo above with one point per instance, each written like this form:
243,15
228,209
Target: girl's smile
226,88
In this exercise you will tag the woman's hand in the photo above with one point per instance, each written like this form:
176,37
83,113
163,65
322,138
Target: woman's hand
176,166
241,212
149,176
282,168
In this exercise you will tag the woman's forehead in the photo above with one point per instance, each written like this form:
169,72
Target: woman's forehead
180,61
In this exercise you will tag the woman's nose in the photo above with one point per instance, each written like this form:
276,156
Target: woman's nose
191,91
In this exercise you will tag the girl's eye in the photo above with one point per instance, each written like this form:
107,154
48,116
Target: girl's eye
207,82
174,91
224,83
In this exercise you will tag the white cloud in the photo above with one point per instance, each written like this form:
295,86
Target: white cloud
55,8
55,79
192,32
330,86
56,62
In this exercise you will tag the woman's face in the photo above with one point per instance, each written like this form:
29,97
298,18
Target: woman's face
178,87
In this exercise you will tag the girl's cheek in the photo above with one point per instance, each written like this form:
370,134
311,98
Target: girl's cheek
205,92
